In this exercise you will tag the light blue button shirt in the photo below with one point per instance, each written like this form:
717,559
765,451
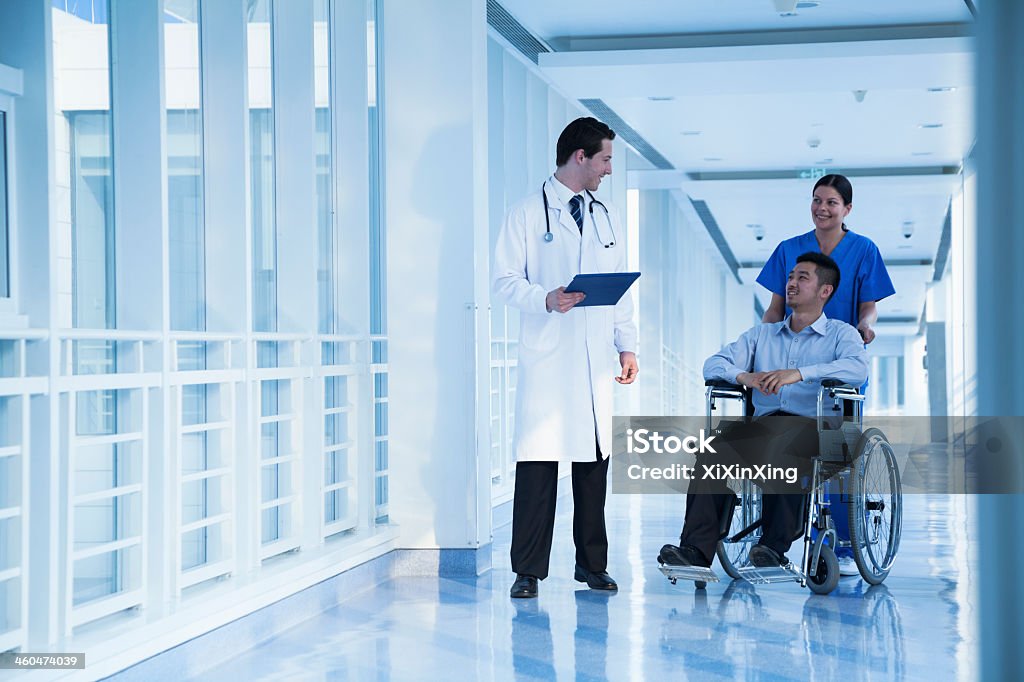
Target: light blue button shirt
826,349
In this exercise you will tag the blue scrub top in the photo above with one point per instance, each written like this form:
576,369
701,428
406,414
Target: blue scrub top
862,274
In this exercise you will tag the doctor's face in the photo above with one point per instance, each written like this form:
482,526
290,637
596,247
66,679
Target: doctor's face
597,166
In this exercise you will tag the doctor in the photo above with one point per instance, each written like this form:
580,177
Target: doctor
567,355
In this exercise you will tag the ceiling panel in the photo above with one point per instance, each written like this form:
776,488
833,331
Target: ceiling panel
579,18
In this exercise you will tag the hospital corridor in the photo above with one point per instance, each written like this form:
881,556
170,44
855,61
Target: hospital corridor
511,340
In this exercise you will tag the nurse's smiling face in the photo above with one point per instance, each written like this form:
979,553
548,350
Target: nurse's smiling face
828,209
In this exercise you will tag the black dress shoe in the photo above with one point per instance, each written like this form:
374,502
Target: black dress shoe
684,555
525,587
596,581
763,556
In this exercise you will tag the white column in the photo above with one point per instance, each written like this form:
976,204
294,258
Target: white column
141,237
294,123
438,263
296,220
25,43
140,184
228,238
1000,243
351,153
225,167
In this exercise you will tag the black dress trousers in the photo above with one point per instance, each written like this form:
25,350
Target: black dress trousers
533,515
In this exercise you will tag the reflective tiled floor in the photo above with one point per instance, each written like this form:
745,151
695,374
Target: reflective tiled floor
918,625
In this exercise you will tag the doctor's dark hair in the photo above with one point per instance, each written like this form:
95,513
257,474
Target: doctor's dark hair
827,269
839,183
585,133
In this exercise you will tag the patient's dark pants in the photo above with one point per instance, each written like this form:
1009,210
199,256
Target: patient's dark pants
767,440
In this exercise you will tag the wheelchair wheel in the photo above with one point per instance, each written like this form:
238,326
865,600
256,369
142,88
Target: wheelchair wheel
826,577
876,507
734,555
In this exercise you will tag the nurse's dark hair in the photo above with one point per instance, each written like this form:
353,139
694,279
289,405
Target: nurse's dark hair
828,270
839,183
585,133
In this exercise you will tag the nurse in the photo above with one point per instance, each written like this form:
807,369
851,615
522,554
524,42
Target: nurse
863,282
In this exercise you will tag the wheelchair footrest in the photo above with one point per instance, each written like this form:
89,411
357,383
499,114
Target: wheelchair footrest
770,574
695,573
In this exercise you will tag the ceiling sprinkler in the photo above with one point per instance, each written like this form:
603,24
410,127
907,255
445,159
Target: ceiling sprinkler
908,229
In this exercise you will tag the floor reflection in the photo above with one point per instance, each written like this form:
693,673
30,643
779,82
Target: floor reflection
917,625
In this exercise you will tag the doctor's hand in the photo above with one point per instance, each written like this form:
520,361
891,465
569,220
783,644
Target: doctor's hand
629,367
562,302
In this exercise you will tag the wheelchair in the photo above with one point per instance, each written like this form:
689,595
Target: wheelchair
859,462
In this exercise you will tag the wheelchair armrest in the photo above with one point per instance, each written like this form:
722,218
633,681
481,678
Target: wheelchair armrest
840,387
722,383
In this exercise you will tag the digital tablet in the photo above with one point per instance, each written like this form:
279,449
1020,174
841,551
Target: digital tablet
603,288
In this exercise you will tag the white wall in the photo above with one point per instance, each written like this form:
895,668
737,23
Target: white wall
438,253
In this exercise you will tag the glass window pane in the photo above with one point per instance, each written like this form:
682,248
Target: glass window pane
5,285
84,205
85,209
327,270
378,253
183,96
261,163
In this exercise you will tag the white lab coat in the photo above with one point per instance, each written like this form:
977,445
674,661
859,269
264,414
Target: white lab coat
567,362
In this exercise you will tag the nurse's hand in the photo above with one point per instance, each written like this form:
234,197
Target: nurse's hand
629,367
866,332
561,302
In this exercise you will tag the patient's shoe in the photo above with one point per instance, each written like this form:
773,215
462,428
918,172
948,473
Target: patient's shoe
764,556
682,556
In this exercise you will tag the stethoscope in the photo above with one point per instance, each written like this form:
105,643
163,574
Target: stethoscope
548,237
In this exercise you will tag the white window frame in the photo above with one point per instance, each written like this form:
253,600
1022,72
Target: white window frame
10,89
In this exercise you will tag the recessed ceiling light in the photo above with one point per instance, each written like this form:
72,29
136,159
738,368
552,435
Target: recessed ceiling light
929,126
807,4
712,158
920,153
661,99
690,133
945,88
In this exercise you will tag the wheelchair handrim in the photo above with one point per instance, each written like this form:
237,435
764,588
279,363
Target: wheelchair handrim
878,531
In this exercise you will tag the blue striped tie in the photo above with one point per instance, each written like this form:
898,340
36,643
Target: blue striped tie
576,208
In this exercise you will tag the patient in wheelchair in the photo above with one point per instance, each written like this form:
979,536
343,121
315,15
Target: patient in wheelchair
783,363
